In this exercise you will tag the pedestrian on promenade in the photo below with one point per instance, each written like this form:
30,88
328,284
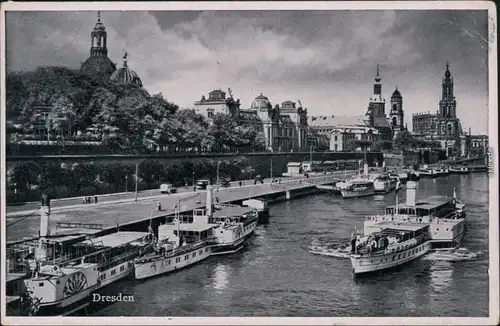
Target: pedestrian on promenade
279,180
89,200
159,207
186,185
95,199
240,183
194,188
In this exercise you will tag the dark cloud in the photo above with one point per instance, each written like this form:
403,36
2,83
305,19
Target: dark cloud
327,58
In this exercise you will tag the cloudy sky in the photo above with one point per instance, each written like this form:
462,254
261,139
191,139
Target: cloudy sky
325,59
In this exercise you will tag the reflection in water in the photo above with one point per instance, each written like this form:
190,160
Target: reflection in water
220,277
289,270
441,273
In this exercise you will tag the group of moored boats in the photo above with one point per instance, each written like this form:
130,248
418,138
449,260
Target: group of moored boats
369,184
443,170
405,232
61,272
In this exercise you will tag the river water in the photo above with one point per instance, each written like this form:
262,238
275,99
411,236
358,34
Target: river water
291,268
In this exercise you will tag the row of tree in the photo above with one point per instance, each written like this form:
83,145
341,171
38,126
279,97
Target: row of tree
125,116
26,182
404,140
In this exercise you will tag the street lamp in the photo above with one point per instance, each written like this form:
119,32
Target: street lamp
218,163
193,178
126,183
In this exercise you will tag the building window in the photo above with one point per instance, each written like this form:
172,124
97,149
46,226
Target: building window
186,257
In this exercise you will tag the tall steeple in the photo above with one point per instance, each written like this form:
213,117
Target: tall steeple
377,87
447,104
377,101
98,38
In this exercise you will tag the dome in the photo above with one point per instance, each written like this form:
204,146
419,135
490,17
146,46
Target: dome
98,65
124,75
396,94
261,102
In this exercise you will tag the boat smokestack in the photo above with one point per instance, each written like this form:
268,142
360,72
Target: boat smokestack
209,203
411,189
45,216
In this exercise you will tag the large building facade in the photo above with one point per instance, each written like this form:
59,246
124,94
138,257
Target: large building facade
444,126
375,125
284,127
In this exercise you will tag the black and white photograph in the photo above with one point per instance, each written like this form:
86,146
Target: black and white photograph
235,162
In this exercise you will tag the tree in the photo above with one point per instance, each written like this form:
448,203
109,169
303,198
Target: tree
385,145
404,140
362,143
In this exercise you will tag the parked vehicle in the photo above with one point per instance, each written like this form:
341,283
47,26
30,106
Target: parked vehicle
225,183
202,184
167,188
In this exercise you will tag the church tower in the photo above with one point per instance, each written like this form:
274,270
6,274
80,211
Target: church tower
396,116
448,104
376,100
98,64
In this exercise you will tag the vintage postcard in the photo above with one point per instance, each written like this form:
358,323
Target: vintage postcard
249,163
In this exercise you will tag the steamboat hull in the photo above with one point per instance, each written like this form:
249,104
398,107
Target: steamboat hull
67,305
363,265
356,194
160,265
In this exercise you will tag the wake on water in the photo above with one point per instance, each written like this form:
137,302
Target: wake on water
459,254
338,250
342,249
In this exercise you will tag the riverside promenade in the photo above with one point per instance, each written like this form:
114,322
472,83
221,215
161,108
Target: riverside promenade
25,224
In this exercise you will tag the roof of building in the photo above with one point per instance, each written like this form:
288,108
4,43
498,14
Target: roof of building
396,94
117,239
106,66
379,122
261,102
125,75
336,120
249,115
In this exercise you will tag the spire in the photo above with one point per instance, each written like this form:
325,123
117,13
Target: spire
377,78
98,16
125,59
447,74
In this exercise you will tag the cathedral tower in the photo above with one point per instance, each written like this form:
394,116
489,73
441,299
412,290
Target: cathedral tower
98,64
396,116
448,104
376,100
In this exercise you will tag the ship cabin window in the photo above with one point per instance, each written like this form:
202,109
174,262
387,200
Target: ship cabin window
178,259
113,272
393,257
404,255
206,249
399,256
201,252
168,262
194,254
186,257
40,284
122,268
